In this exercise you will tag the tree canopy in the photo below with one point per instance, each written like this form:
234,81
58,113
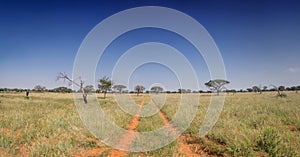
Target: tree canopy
105,85
257,89
157,89
89,89
216,85
39,88
62,90
139,89
119,88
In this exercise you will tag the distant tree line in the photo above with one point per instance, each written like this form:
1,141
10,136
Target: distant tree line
106,85
58,90
259,89
118,89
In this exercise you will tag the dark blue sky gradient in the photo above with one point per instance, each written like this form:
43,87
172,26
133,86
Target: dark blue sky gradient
259,40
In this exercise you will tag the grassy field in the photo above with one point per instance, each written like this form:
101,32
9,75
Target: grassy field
251,124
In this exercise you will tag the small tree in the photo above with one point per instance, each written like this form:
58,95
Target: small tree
249,89
265,88
216,85
139,89
105,85
39,88
281,88
157,89
257,89
62,90
119,88
182,91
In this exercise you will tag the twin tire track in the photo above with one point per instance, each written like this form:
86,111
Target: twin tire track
127,139
184,149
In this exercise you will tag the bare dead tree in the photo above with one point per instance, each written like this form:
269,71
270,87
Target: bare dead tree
65,77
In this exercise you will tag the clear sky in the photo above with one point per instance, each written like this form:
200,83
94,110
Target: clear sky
259,40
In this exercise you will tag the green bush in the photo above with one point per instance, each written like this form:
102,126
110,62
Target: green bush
242,149
282,95
270,142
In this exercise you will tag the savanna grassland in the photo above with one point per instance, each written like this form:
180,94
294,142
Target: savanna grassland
251,124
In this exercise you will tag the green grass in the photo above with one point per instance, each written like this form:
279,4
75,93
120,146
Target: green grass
47,124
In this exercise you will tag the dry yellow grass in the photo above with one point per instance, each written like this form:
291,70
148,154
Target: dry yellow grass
48,124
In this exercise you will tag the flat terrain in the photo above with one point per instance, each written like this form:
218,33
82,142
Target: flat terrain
251,124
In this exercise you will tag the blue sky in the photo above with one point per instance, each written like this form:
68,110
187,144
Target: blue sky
259,41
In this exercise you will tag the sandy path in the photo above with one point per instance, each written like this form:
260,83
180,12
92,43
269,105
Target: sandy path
128,138
125,139
184,149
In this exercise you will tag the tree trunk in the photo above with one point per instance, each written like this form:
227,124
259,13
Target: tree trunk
105,94
84,98
218,91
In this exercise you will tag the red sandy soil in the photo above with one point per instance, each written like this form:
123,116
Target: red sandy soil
185,149
91,152
293,128
24,151
127,139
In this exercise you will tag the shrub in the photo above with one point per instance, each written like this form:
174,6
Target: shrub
270,142
282,95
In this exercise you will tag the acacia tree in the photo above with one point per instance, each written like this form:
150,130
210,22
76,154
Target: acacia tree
39,88
180,90
65,77
62,90
119,88
265,88
281,88
157,89
139,89
249,89
216,85
257,89
105,85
